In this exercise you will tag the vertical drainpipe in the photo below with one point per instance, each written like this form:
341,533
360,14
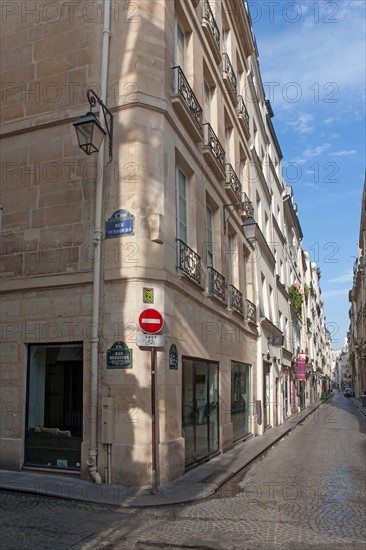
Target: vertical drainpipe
97,241
1,221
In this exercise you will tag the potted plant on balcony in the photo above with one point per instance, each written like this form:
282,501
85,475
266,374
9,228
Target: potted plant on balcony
295,297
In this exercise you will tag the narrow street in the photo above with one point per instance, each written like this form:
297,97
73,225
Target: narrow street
308,491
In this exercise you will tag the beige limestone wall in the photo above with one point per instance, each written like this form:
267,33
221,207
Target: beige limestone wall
49,199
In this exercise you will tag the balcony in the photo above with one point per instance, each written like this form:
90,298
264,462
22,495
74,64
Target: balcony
211,30
236,300
250,311
229,77
232,184
243,115
189,262
216,284
186,105
213,152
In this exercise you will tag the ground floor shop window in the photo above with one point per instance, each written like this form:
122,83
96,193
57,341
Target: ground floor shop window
266,395
54,405
302,394
200,414
240,399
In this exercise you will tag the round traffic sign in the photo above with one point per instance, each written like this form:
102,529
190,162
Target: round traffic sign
151,321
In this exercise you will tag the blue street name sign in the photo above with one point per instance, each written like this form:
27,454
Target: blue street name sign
120,224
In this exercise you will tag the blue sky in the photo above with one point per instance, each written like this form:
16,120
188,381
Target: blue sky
312,61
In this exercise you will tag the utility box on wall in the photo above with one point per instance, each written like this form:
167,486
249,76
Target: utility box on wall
107,419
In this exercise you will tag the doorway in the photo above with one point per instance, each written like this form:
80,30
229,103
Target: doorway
200,414
54,406
266,396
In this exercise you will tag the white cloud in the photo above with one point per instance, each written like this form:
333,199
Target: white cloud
303,123
346,277
334,293
322,54
344,153
316,151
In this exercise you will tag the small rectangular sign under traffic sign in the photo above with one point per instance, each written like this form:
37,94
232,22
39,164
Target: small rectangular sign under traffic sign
150,340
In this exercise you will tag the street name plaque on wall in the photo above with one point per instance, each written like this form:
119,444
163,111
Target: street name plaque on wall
119,356
173,357
120,224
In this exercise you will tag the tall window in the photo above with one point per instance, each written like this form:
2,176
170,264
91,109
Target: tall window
231,253
182,206
270,303
180,46
245,276
259,211
228,138
207,100
264,296
266,227
242,173
209,235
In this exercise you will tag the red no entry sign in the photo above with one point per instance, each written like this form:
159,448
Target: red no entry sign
151,321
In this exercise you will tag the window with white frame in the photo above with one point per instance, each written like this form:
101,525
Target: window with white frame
207,101
181,206
209,236
270,303
180,46
245,274
231,259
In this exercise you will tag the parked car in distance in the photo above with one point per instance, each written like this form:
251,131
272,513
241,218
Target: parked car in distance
348,392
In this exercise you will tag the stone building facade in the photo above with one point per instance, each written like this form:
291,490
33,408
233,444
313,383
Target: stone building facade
357,297
195,157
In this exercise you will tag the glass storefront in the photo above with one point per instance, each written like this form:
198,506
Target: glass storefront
240,399
200,409
302,394
266,396
54,406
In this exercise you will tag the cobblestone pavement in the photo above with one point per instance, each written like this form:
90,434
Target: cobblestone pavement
38,522
307,492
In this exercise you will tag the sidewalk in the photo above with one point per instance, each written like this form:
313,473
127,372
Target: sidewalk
358,404
198,483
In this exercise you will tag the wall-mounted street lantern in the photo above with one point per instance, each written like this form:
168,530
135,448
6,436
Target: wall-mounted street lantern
244,207
89,131
250,229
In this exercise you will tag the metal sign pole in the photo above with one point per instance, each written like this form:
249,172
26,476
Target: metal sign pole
153,419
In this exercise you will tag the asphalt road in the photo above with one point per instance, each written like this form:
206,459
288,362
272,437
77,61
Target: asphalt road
307,492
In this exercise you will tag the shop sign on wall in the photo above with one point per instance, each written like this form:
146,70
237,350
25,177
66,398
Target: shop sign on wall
301,366
119,356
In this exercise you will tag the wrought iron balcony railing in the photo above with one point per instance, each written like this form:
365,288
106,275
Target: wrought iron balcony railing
208,16
251,311
229,72
233,180
182,87
236,299
188,261
212,141
216,284
242,110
